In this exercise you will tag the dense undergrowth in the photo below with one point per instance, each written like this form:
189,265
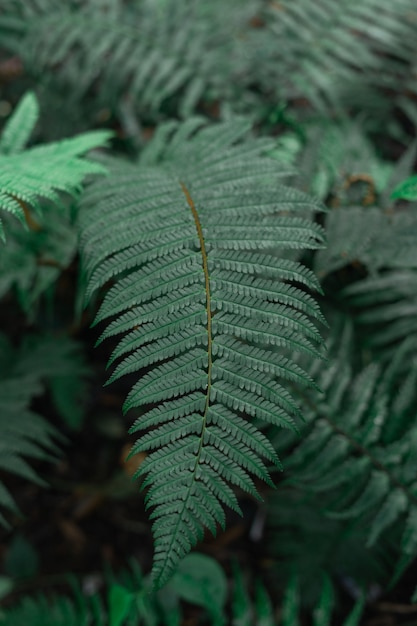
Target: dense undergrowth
217,202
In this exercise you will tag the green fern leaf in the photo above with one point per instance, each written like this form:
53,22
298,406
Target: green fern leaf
358,448
191,236
184,53
32,260
19,128
24,373
44,171
386,306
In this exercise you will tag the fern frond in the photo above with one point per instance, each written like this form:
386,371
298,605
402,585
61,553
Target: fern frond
146,55
358,55
359,442
40,361
33,259
338,57
191,237
27,177
386,307
24,433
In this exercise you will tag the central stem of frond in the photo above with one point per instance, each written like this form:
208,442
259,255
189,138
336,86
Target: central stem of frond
196,217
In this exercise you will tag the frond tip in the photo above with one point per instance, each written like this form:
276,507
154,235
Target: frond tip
210,315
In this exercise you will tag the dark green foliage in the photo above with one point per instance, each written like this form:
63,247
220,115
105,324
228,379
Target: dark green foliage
202,258
358,445
41,612
23,375
184,52
303,538
33,260
168,56
337,55
131,604
322,614
205,300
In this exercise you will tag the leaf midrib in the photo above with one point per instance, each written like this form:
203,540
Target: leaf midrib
204,256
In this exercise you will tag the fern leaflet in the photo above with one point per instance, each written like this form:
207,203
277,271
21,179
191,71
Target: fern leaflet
28,176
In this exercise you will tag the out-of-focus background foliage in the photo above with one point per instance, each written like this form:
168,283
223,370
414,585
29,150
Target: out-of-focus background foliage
335,85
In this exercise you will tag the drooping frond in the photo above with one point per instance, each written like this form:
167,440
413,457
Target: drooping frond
338,56
359,442
24,373
353,55
146,54
195,237
30,176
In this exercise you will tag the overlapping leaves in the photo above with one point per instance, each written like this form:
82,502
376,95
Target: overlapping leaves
358,449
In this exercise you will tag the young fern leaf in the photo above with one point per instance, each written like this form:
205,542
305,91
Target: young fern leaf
30,176
192,237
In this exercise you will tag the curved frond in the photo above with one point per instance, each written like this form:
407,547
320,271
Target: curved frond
358,449
145,54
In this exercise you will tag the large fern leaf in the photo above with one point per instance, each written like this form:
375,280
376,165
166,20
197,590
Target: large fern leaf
193,236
